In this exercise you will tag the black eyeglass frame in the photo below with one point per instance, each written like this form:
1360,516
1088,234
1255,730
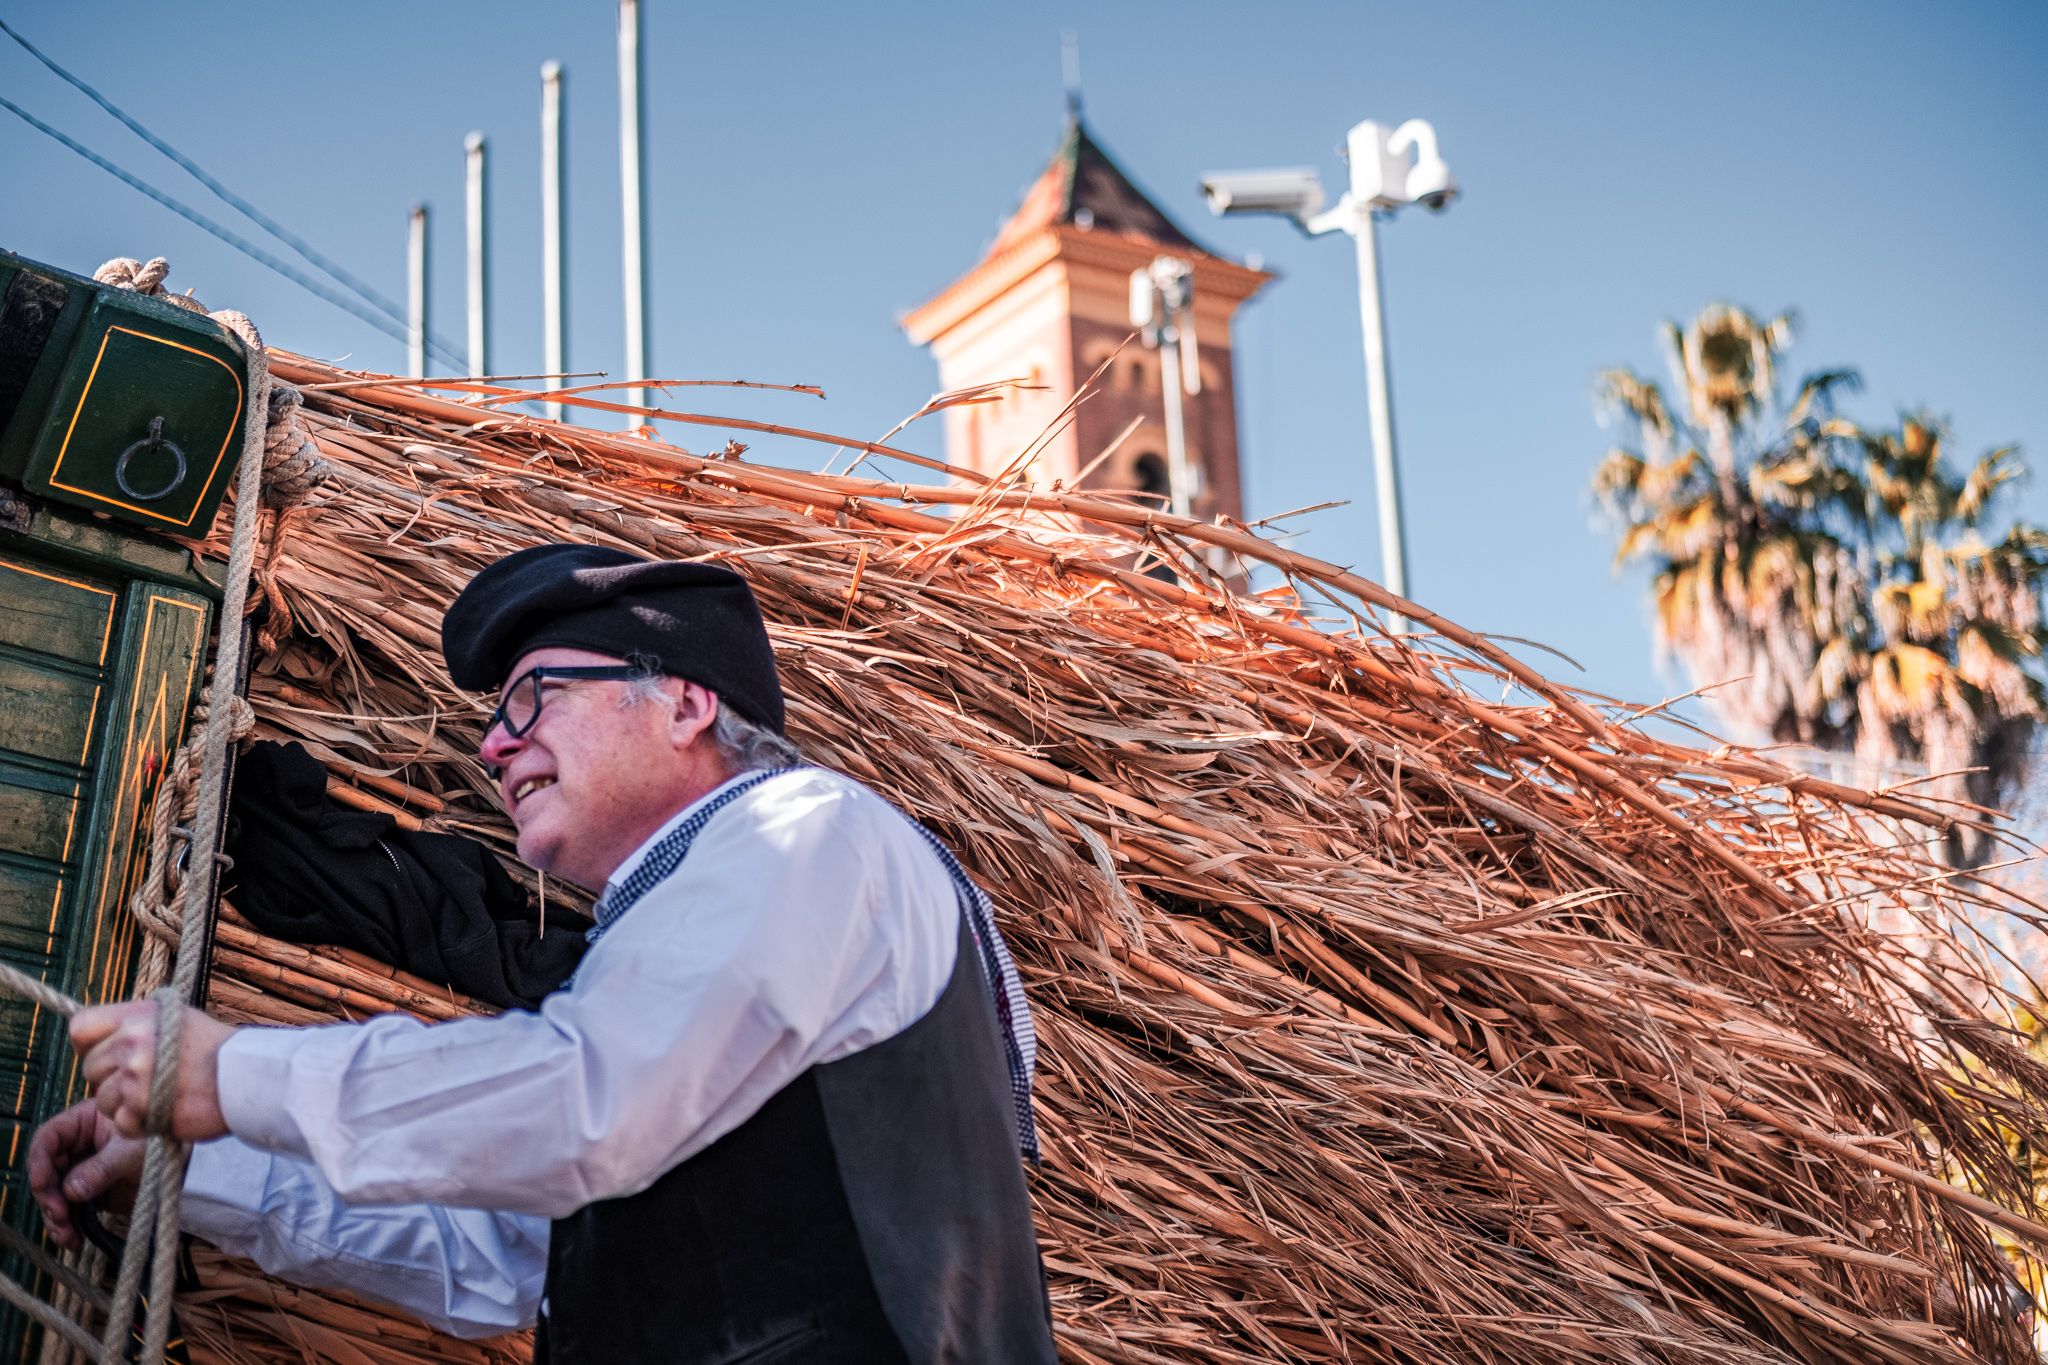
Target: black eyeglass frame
536,676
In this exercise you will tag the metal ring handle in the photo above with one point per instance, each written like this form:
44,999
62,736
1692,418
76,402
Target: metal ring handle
152,442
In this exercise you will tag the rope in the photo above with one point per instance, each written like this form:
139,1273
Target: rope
176,805
280,468
49,1317
71,1280
17,982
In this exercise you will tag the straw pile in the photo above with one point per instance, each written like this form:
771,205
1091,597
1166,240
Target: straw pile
1397,1004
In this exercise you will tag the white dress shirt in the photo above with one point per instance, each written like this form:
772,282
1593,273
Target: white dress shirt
419,1164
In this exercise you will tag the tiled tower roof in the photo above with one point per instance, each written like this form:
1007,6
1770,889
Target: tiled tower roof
1083,187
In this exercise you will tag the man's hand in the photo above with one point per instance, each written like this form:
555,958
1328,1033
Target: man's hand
78,1156
118,1043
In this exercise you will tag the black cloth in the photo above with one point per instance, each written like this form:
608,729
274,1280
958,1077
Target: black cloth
873,1212
694,621
440,906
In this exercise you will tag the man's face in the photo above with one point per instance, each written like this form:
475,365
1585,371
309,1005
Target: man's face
595,775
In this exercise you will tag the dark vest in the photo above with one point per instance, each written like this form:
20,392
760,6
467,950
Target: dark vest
873,1212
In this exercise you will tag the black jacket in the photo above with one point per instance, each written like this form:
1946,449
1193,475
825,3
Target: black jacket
311,870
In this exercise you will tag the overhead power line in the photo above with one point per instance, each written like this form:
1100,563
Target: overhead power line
305,249
241,244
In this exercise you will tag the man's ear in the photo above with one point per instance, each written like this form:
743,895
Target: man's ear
695,708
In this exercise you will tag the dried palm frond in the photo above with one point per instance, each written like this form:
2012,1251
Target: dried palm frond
1383,1019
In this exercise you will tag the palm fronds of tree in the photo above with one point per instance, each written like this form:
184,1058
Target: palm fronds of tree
1828,582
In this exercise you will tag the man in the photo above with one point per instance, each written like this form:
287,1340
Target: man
775,1116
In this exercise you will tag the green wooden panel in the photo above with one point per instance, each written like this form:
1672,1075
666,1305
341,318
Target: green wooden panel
102,648
41,310
78,545
25,1030
36,813
46,713
164,650
28,909
28,904
147,419
55,611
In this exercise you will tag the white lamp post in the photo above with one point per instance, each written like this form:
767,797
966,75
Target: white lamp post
479,258
632,202
1162,309
1390,169
554,328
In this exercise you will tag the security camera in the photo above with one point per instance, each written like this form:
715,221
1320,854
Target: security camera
1428,182
1296,191
1432,186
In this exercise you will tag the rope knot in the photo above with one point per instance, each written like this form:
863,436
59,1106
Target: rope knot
125,272
292,467
145,278
157,893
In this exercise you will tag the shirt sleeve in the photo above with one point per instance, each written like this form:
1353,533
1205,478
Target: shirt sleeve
806,923
462,1271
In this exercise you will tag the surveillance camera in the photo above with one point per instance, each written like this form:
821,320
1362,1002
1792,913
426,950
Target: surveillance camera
1434,195
1430,184
1296,191
1427,182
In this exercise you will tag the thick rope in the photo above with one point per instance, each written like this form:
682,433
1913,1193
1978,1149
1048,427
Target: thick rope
14,981
164,1167
49,1317
280,467
68,1279
157,893
283,453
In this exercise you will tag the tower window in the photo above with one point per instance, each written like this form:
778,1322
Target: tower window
1155,484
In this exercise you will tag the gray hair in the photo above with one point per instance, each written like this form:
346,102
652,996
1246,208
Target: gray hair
747,747
744,746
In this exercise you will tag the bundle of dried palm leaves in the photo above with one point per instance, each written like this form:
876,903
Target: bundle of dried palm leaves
1382,1021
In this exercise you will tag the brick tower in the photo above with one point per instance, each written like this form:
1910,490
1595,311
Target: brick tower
1050,303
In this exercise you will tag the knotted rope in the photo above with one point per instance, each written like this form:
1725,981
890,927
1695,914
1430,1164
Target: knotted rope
156,899
280,466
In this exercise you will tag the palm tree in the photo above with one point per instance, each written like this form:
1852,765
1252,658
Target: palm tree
1833,581
1950,677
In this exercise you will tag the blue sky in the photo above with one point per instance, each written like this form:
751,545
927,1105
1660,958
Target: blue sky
819,168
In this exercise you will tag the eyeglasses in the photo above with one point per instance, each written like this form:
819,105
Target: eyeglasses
519,708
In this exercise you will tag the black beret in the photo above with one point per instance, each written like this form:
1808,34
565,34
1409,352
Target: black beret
694,621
